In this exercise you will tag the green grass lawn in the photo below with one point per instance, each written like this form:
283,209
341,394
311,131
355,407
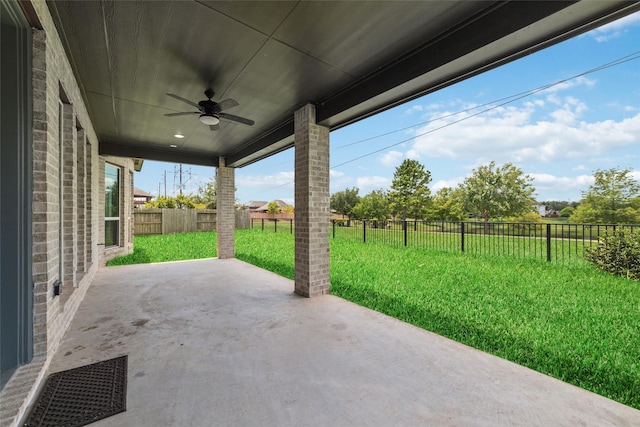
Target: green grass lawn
567,320
169,247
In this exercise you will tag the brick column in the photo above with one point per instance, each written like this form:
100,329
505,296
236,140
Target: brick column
311,143
225,210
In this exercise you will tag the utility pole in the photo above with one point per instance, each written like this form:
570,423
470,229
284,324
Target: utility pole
179,182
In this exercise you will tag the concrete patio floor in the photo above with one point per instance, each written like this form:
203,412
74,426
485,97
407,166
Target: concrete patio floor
223,343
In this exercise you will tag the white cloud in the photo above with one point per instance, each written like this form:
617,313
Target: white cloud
366,184
534,103
415,109
391,158
514,134
560,185
569,84
570,111
338,180
284,179
444,183
614,29
545,179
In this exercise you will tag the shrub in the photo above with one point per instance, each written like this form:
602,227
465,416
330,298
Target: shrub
567,212
525,217
617,253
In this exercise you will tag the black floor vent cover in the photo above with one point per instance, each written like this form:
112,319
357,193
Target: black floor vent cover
81,396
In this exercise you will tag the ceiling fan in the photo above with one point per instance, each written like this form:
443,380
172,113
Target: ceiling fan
211,112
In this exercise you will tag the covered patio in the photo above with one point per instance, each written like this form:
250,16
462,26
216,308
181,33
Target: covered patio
221,342
99,86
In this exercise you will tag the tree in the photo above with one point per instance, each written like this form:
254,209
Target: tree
273,208
207,194
181,201
558,205
611,199
288,209
567,211
492,192
410,194
526,217
373,206
447,204
344,201
161,202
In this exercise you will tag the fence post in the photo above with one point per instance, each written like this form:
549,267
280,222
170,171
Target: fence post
364,230
262,224
333,224
548,242
291,225
275,225
462,235
405,232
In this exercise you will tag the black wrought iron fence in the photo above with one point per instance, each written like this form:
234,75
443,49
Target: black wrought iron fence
550,241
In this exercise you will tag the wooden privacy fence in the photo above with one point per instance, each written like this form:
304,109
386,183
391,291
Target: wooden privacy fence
171,221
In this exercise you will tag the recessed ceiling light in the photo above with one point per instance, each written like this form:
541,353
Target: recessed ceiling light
173,146
179,136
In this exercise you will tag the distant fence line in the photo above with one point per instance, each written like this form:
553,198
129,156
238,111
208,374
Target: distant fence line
171,221
547,241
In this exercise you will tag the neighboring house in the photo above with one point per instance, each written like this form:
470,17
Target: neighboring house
253,205
542,210
140,197
265,206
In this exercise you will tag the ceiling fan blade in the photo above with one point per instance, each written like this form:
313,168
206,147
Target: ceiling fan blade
226,104
182,114
214,127
238,119
184,100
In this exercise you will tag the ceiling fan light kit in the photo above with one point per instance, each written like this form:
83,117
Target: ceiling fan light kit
210,120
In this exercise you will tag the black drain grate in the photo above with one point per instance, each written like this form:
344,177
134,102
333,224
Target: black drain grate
81,396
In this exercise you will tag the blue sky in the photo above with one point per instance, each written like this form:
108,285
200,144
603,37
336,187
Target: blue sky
559,136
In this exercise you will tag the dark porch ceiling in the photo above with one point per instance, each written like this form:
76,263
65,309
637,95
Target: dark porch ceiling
351,59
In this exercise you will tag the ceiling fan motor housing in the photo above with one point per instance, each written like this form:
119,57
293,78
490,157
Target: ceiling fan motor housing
209,107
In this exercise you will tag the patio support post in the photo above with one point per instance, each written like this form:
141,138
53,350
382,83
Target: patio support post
311,143
225,210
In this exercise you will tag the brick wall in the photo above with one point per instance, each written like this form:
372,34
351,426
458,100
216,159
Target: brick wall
68,190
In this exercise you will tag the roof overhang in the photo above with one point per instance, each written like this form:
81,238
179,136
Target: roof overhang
351,59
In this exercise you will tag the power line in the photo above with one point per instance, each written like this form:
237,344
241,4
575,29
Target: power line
501,102
515,97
